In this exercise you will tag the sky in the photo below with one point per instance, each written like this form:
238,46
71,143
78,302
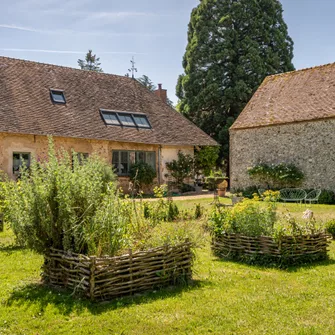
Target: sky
153,31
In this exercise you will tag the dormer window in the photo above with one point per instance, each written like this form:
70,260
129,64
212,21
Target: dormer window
125,119
57,96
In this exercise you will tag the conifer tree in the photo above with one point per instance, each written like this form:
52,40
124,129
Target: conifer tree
232,46
91,62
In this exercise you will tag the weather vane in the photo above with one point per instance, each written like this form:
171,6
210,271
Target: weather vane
133,69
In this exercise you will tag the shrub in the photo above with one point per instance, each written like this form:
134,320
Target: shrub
181,168
247,218
198,211
327,197
186,188
62,203
330,227
277,176
205,159
142,174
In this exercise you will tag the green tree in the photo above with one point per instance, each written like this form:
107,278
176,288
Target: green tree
147,82
181,168
232,46
205,159
91,62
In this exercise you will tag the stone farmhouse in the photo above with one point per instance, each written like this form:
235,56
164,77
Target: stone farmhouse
290,119
88,112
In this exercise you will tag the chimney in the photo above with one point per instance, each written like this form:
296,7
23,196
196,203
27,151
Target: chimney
161,93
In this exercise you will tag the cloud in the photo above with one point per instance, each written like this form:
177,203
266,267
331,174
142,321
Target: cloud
13,26
72,51
75,32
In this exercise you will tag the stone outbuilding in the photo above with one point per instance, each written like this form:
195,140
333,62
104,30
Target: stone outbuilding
290,119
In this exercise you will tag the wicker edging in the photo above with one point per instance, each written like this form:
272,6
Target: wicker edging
109,277
288,249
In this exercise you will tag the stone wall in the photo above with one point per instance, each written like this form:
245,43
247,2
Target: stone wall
37,146
308,145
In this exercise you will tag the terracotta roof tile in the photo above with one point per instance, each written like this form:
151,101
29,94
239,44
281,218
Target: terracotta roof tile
26,106
297,96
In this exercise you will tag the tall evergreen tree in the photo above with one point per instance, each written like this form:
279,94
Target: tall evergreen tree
232,46
90,63
147,82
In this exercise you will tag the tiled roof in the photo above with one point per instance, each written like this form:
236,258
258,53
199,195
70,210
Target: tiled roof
297,96
26,107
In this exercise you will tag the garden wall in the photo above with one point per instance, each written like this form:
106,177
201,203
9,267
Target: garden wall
109,277
308,145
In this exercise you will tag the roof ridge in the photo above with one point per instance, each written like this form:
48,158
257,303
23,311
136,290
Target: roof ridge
300,70
61,66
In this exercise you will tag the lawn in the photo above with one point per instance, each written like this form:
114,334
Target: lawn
225,298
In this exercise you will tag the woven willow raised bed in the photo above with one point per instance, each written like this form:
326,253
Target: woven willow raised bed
289,249
109,277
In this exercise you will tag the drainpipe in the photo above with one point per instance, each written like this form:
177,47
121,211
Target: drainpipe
159,164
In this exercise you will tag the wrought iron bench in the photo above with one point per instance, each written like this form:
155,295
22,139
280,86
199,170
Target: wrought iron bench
293,195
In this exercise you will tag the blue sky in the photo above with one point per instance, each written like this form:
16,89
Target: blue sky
153,31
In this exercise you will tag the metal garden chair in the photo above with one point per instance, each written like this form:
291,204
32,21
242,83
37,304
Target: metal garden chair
313,196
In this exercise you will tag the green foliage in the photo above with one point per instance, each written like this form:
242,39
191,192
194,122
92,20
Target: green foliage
277,176
327,197
248,218
330,227
147,82
198,211
181,168
232,46
91,62
63,204
254,218
184,188
205,159
247,192
142,173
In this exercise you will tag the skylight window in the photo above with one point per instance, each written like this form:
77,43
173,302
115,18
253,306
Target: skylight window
141,121
125,119
111,118
57,96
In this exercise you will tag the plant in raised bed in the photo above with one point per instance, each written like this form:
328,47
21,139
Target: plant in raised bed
252,231
92,239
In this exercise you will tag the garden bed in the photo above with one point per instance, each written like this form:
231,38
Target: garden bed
110,277
288,249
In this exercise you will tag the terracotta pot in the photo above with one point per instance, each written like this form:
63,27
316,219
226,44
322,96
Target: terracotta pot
221,192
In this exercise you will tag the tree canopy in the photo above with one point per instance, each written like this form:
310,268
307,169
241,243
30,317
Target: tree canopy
90,63
232,46
147,82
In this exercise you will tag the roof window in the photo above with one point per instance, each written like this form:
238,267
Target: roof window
57,96
125,119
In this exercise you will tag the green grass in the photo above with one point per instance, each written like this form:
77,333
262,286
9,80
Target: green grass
225,298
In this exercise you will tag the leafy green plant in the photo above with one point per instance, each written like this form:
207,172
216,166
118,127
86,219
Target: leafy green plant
330,227
327,197
67,205
205,159
277,176
142,174
198,211
248,218
181,168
